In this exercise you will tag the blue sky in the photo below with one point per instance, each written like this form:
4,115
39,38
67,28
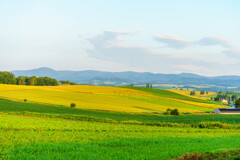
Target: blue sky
171,36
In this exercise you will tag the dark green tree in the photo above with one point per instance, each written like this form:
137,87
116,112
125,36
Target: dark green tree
7,78
202,92
192,93
237,103
174,112
147,85
73,105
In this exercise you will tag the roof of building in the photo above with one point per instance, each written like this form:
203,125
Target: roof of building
229,109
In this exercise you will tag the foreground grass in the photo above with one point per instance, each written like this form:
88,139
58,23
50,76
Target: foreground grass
32,138
124,149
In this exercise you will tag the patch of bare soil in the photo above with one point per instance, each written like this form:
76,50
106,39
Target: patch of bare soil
232,155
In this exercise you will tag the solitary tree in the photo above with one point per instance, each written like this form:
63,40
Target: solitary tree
73,105
202,92
174,112
148,85
151,85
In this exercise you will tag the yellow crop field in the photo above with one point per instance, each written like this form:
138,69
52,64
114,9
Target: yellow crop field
100,98
101,90
197,93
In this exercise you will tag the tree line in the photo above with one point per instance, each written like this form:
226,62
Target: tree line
64,82
149,85
9,78
230,97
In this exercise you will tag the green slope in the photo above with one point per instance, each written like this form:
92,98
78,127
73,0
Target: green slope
169,94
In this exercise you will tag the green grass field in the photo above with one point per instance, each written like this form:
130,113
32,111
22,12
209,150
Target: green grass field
34,138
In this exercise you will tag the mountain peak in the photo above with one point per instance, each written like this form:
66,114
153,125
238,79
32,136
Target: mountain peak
44,69
189,75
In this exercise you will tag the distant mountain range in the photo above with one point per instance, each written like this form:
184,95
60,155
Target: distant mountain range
126,78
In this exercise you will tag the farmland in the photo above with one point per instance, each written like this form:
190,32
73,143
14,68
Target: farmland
21,108
46,127
131,100
119,80
197,93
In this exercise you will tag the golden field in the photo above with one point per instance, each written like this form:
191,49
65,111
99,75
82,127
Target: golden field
101,98
197,93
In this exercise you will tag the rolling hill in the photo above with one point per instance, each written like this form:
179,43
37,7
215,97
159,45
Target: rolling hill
132,99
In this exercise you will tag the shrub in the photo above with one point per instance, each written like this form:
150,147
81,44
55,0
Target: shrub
212,125
174,112
73,105
25,100
186,113
166,113
133,122
169,109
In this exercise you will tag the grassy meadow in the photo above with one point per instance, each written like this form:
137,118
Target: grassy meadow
109,123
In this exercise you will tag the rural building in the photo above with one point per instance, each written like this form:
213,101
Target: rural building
227,111
224,101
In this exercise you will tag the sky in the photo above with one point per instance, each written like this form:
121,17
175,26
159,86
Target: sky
159,36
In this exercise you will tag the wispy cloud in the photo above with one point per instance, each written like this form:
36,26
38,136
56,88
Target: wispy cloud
172,41
106,47
175,42
107,38
211,41
177,56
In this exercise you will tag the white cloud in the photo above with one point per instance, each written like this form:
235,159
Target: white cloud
202,56
173,41
107,38
211,41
